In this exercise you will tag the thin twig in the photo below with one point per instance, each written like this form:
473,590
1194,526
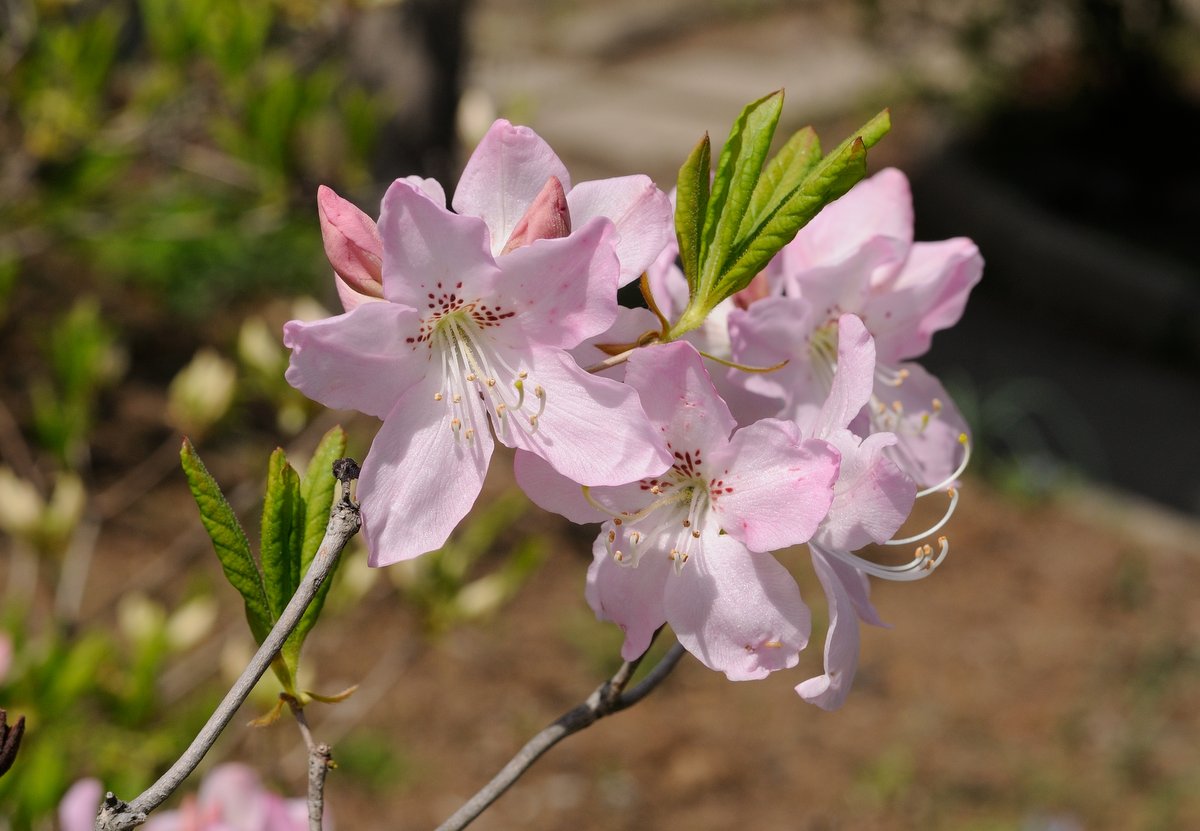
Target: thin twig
344,522
320,758
607,699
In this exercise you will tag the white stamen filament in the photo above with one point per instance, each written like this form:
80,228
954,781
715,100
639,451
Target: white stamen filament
937,526
922,564
473,370
965,441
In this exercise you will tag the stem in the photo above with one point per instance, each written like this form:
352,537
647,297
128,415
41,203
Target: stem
344,522
608,363
607,699
320,758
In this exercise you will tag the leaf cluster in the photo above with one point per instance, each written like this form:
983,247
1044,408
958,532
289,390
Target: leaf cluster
295,513
732,222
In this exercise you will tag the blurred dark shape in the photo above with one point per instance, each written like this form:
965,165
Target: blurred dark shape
10,740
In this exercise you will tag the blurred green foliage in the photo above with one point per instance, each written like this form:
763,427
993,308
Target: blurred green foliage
176,143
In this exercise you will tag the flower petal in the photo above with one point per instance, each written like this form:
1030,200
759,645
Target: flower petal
593,430
551,491
774,489
563,290
829,691
631,596
679,397
641,212
360,360
738,612
420,477
503,177
872,497
927,444
853,380
428,251
77,810
927,296
876,210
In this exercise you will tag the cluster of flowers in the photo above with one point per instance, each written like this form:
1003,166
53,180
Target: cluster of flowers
474,325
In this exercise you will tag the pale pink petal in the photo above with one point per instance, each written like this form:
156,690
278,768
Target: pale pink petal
360,360
430,253
858,587
668,284
420,477
79,805
503,177
592,430
641,212
551,491
233,793
872,497
769,488
770,332
927,296
563,290
679,397
926,423
738,612
352,244
631,596
432,188
840,286
878,208
829,691
853,380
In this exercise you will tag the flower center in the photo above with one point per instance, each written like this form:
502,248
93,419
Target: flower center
676,518
479,382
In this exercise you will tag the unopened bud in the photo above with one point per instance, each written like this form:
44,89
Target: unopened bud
353,246
546,218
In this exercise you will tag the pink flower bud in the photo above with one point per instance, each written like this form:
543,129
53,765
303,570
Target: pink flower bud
546,218
353,247
755,290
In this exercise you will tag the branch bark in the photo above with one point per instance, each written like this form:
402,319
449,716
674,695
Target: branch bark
344,522
610,697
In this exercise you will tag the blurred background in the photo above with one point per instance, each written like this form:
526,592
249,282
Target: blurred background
158,168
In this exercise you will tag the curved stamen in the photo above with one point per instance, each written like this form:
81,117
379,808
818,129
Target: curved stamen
921,566
626,516
965,441
891,377
937,526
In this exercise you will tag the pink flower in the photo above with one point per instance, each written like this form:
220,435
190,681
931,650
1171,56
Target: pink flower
691,547
471,337
857,256
231,798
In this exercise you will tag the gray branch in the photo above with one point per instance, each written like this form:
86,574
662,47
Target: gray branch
344,522
610,697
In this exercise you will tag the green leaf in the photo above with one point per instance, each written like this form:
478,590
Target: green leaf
818,186
229,540
316,489
282,533
781,175
691,202
738,171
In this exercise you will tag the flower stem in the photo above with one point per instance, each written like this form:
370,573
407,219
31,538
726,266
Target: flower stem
610,697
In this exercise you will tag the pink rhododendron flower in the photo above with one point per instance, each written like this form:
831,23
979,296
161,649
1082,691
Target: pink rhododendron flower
691,547
857,256
471,337
231,798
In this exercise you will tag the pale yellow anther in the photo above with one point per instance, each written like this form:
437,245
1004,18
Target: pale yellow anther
612,537
457,399
522,375
773,645
937,405
687,523
539,392
470,434
471,377
437,396
491,382
533,421
897,408
696,534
